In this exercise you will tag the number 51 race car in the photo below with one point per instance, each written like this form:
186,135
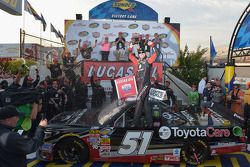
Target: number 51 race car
108,135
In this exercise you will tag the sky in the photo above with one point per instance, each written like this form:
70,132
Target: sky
199,19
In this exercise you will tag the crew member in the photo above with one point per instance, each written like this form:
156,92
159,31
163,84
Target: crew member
144,66
247,103
14,147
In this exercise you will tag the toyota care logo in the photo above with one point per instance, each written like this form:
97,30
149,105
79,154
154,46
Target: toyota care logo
166,132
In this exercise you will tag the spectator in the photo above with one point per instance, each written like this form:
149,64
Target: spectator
114,93
28,81
171,100
68,60
206,98
81,94
235,98
86,50
201,87
193,96
56,100
67,89
218,93
105,48
14,147
98,94
120,47
4,84
146,46
247,104
55,68
141,42
157,42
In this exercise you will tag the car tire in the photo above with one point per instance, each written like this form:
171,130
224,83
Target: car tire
195,152
72,150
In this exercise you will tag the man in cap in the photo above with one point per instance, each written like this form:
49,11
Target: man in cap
144,66
14,147
120,46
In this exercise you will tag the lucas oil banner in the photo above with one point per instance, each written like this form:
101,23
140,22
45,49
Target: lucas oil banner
104,70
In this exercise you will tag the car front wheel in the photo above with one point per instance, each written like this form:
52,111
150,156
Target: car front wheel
195,152
72,150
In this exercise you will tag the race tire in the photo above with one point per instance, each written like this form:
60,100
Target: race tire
195,152
72,150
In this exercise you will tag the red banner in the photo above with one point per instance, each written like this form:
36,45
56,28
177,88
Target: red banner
126,87
104,70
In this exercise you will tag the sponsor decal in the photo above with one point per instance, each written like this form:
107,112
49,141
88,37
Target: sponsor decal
96,34
158,27
126,87
176,151
166,132
93,25
72,42
163,36
83,33
124,5
157,94
145,27
105,141
119,26
79,25
171,158
164,44
157,157
106,26
124,34
133,26
106,131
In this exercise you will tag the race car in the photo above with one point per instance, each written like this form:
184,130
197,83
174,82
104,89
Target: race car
107,134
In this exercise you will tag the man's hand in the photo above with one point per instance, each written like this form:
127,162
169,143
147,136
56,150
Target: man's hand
43,123
151,44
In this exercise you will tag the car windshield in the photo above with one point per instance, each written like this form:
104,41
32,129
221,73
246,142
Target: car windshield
89,117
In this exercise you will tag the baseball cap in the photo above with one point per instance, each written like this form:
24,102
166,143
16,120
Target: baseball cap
8,112
236,83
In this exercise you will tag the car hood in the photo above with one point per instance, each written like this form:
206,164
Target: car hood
74,118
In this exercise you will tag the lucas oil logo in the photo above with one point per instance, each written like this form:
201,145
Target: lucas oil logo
124,5
166,132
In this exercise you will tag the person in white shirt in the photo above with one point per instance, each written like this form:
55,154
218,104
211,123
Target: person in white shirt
201,87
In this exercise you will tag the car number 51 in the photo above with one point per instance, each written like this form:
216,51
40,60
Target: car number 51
130,142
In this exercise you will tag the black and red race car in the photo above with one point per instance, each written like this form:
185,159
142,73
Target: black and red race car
107,135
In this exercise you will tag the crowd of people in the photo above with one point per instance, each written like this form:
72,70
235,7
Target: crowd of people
121,51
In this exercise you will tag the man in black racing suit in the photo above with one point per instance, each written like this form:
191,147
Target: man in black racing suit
144,66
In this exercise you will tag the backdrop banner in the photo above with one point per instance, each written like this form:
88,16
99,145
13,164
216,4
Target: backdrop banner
104,70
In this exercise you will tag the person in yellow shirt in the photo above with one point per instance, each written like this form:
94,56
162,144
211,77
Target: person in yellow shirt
247,103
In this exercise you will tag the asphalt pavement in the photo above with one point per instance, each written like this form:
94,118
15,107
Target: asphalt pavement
240,159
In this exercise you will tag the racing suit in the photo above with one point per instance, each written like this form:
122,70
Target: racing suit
143,83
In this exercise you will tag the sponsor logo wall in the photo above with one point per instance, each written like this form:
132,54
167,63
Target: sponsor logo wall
89,31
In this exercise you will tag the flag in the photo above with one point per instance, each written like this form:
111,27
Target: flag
52,29
43,22
212,49
31,10
61,36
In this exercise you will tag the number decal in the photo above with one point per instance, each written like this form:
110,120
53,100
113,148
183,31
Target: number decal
130,142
